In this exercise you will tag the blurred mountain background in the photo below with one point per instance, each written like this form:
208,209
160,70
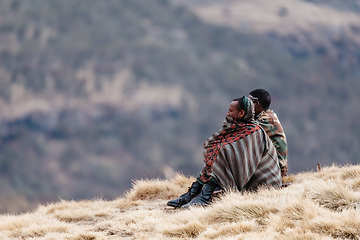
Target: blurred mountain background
95,94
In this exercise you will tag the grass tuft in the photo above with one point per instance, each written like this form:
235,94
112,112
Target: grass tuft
159,189
189,230
332,195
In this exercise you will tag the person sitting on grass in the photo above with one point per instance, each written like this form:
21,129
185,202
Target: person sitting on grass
240,156
269,121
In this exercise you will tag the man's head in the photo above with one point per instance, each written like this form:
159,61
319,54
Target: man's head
261,99
240,108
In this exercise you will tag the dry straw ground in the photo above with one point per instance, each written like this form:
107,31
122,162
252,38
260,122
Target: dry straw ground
317,205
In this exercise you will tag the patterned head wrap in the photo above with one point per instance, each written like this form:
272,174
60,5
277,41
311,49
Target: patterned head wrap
231,131
248,108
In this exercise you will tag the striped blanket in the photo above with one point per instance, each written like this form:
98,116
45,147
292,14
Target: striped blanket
241,156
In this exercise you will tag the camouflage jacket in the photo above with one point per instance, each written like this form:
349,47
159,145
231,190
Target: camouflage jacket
269,121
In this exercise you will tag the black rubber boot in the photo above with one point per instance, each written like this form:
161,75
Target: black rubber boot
204,198
186,197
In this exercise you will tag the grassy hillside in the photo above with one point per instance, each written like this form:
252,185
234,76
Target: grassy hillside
317,205
95,94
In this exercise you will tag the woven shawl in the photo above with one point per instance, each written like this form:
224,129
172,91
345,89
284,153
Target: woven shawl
241,156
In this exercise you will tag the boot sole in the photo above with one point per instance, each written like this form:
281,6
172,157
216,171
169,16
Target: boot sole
174,205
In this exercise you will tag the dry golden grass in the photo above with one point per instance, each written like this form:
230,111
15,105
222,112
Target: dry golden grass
317,205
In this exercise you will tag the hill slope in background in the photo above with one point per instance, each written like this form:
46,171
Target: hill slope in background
317,205
93,95
321,34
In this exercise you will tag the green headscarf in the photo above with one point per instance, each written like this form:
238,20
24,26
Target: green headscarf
248,108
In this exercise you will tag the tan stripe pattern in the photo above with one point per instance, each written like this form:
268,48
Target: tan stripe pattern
248,163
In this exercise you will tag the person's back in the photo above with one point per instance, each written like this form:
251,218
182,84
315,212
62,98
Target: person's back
249,162
269,121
